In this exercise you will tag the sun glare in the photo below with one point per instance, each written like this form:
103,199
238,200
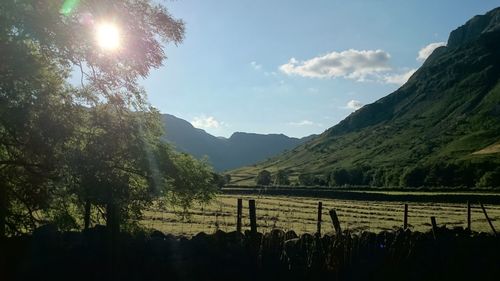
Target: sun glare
108,36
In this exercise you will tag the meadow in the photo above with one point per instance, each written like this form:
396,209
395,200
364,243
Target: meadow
300,214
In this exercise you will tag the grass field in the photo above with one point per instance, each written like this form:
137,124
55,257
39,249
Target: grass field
299,214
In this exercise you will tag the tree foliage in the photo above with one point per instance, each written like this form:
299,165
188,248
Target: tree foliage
191,180
65,148
306,179
281,178
490,179
263,178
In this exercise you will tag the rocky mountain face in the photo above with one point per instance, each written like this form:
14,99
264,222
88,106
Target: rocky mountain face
474,28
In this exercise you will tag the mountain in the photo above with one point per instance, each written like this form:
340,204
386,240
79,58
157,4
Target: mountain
442,127
225,153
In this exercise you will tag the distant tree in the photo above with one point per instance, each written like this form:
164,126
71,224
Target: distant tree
356,176
442,174
432,177
413,177
281,178
377,177
339,177
392,177
490,179
227,178
320,180
466,174
219,180
263,178
306,179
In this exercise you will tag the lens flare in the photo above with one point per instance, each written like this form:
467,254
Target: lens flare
108,36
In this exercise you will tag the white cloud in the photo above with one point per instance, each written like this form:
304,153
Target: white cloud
304,123
354,105
351,64
255,65
426,51
400,78
206,122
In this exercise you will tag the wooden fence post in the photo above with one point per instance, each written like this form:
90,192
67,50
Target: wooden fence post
239,214
488,218
434,227
253,218
405,219
335,221
468,217
320,209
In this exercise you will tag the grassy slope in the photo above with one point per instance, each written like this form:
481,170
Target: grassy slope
492,149
448,110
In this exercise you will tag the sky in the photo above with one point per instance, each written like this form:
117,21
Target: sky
295,67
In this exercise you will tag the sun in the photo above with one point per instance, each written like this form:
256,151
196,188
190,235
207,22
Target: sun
108,36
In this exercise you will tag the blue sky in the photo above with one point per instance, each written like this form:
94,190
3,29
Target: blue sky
295,67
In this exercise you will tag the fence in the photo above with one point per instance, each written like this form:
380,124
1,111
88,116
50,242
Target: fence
336,221
301,215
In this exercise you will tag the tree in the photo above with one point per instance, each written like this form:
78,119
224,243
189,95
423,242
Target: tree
191,180
413,177
227,178
218,179
115,163
66,35
37,121
339,177
306,179
263,178
98,143
490,179
312,180
281,178
356,176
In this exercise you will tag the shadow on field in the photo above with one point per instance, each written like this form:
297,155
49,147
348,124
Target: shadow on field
366,195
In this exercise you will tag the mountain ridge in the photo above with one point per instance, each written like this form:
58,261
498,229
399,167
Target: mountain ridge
238,150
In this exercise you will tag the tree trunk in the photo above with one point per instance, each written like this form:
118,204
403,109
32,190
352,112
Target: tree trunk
112,219
86,217
3,215
113,228
3,210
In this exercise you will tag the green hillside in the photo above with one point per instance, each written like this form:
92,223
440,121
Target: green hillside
433,131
